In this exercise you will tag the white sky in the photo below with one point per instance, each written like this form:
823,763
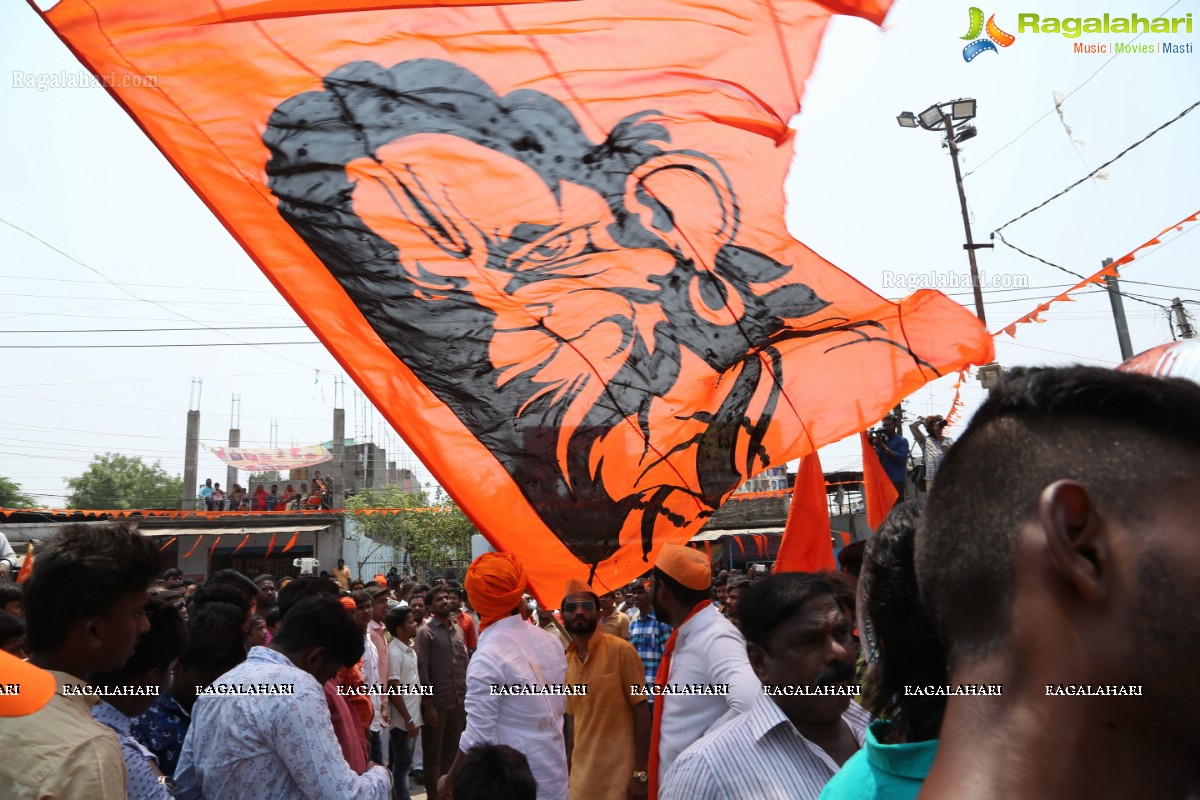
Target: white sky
866,194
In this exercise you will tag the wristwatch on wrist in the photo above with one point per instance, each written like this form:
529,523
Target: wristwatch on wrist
641,777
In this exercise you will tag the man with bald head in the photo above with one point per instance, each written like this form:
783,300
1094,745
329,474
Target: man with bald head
1058,556
507,702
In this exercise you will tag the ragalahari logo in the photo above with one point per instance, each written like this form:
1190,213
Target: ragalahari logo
995,36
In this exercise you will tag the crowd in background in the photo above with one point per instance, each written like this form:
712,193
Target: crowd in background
1017,634
319,495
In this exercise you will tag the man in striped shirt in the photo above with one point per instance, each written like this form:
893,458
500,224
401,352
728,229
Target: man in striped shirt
804,726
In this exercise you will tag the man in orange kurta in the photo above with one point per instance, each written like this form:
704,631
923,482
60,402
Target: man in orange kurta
608,741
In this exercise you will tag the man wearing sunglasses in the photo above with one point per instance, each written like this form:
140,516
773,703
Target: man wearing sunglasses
608,729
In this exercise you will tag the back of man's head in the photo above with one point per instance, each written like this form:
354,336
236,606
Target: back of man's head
215,643
231,577
1125,438
301,588
494,772
83,572
321,622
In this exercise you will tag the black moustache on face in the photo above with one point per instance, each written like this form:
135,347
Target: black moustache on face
839,674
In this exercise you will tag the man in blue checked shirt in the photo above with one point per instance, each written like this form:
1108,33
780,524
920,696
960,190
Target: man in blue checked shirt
647,635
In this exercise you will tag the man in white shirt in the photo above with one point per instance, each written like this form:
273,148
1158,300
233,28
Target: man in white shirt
513,654
704,650
789,744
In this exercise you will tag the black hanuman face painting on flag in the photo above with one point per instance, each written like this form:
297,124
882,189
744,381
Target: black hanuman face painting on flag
552,291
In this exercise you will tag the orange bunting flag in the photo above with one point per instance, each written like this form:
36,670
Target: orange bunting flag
806,537
243,544
291,542
213,549
168,543
546,239
194,546
271,546
27,566
879,493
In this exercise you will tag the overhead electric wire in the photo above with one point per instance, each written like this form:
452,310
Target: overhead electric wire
134,296
1119,155
163,330
112,346
143,285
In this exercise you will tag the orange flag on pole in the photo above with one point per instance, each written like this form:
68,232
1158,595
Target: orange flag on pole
27,566
879,493
554,228
806,538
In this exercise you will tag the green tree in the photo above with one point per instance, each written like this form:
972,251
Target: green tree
11,495
431,535
265,478
126,482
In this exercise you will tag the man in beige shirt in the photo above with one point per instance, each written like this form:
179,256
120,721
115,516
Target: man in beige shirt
613,621
85,609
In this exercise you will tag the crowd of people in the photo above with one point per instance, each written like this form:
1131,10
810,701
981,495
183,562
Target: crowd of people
1018,633
319,495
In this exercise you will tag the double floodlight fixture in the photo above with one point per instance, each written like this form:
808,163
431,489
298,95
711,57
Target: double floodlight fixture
934,117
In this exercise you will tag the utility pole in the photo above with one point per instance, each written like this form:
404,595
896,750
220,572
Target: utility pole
1118,309
1186,331
191,451
235,439
970,246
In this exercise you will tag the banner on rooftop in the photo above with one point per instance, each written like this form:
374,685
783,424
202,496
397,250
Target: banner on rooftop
546,239
262,459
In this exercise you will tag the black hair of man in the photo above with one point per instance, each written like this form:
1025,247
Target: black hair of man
361,597
494,772
215,643
261,579
273,618
395,619
908,651
173,572
324,622
9,592
10,627
83,572
157,647
685,595
231,577
1121,435
301,588
850,558
439,588
767,604
219,593
843,592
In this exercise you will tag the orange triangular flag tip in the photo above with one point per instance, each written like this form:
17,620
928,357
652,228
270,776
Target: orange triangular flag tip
194,546
879,493
243,544
291,542
806,545
213,549
168,543
27,567
271,546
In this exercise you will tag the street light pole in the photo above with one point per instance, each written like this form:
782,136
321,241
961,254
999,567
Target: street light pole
962,199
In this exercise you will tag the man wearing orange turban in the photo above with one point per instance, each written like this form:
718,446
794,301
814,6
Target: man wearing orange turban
519,660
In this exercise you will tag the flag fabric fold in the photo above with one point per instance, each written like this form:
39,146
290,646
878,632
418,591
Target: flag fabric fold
546,239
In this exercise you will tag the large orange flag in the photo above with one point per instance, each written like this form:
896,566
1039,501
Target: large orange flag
879,493
806,545
546,239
